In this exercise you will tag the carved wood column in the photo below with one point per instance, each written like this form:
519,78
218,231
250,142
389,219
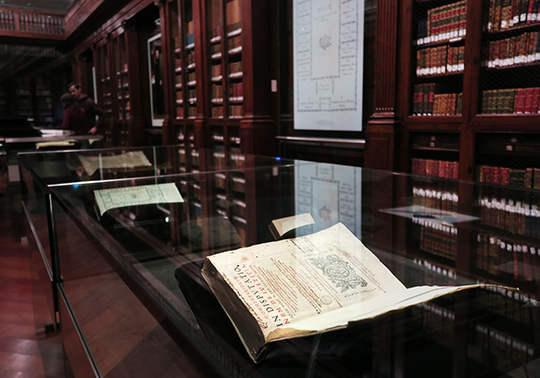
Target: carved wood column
200,128
167,129
136,124
384,125
257,128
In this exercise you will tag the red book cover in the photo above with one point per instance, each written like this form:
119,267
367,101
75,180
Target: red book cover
534,100
456,170
530,12
453,104
463,16
431,99
502,51
422,167
434,168
519,106
528,100
420,99
489,174
442,168
505,176
496,175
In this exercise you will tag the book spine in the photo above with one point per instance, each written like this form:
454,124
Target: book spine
498,15
516,8
506,11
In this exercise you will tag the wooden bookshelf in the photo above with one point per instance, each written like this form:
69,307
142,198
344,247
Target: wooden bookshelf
210,42
476,109
119,86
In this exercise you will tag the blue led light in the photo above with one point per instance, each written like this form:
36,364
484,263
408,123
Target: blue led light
75,186
278,158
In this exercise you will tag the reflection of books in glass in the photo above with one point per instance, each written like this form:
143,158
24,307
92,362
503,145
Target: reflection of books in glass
218,232
107,199
308,285
127,160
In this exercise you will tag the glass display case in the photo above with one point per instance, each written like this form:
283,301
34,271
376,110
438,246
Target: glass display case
132,300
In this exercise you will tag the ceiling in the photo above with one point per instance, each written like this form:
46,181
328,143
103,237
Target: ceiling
46,6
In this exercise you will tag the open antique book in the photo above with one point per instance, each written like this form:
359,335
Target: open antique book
306,285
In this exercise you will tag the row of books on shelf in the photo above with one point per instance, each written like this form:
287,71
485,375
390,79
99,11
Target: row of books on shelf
234,27
192,95
435,199
503,256
217,92
443,23
435,168
434,274
179,97
215,49
435,317
507,302
217,112
507,348
178,64
523,178
511,101
518,214
214,33
236,183
234,42
178,81
513,51
504,14
179,112
215,70
190,58
235,67
427,102
236,91
437,238
236,111
439,60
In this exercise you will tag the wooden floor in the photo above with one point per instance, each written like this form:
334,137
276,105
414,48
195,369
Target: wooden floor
25,349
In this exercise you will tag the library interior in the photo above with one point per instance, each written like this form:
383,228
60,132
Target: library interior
254,188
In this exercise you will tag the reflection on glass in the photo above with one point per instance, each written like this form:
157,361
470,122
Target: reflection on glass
155,67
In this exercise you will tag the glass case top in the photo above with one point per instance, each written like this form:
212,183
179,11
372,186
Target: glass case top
425,230
72,167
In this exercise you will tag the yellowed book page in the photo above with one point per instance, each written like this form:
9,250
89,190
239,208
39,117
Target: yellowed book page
283,225
128,160
289,281
107,199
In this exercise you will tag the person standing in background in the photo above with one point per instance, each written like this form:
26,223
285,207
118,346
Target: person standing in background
90,107
74,115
